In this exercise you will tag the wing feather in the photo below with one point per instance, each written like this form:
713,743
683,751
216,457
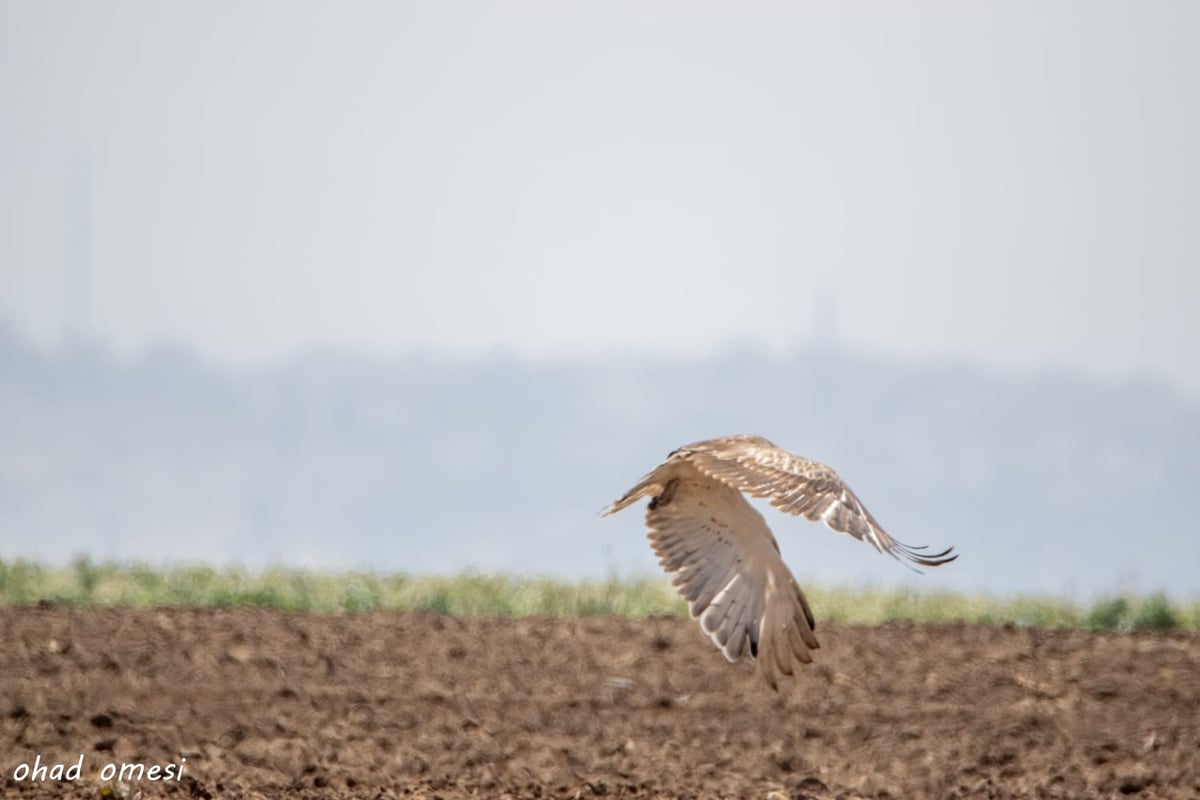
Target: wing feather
725,563
802,487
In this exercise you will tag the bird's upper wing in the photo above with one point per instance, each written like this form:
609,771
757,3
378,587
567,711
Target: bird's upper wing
725,562
799,486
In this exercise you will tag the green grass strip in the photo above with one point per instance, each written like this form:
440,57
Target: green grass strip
85,583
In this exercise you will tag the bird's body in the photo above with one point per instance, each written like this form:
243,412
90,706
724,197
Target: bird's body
724,559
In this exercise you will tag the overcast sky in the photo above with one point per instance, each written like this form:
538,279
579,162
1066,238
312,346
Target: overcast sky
1016,183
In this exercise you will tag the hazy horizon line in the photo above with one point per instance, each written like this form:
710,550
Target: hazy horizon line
101,349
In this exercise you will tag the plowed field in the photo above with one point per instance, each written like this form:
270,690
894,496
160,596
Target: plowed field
272,704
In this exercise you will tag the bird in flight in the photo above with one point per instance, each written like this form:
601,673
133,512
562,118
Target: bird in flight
724,560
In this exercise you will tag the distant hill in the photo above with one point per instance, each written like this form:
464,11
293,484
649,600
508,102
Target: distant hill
1049,481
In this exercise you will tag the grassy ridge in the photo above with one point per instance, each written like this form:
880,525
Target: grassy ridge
85,583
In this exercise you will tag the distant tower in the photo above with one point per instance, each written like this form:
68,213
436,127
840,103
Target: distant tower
77,267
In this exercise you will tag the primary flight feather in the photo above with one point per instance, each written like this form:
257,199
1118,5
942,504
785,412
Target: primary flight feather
724,559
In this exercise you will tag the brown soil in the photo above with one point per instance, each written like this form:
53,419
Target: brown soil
271,704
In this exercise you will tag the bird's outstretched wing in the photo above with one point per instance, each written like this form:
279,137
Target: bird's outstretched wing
726,565
799,486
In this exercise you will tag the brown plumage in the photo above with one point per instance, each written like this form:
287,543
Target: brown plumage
724,559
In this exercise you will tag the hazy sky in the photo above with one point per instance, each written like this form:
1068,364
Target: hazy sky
1014,182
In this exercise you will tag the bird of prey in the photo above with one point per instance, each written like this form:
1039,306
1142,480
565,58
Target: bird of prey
722,556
